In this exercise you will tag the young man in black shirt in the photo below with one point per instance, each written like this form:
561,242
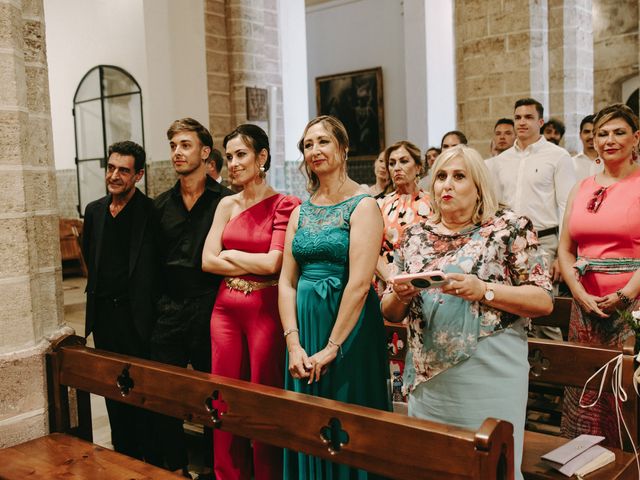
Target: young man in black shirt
120,247
182,333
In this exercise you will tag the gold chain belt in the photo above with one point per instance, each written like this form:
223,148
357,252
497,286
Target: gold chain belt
248,286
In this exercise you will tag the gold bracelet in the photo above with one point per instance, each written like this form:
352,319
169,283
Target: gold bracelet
290,330
399,299
331,342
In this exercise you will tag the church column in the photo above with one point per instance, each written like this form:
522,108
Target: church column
243,51
578,68
501,55
30,272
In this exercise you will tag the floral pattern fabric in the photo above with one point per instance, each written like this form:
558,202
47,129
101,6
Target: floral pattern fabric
444,329
400,211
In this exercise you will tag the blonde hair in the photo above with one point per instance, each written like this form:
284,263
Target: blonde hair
486,203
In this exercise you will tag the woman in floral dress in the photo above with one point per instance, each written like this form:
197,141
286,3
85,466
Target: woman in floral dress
467,355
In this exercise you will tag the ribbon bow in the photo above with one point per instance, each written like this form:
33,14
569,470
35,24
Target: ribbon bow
323,286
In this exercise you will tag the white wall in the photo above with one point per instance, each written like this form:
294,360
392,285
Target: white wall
177,69
346,35
293,50
159,42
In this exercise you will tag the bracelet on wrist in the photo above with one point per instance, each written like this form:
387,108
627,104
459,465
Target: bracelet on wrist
626,301
290,330
335,344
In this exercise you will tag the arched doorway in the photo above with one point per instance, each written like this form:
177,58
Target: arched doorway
107,108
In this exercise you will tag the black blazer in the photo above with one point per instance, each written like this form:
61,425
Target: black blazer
144,261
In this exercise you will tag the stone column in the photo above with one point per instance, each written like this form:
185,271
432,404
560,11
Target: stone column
570,66
578,68
243,51
616,35
30,268
501,55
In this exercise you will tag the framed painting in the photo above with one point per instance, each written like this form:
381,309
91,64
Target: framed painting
356,99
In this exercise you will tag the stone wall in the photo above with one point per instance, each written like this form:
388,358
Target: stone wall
30,270
493,60
542,49
243,51
615,32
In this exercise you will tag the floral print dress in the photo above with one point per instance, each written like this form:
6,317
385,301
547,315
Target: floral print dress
443,329
468,361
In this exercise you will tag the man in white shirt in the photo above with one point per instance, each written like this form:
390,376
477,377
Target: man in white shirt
504,135
587,163
534,178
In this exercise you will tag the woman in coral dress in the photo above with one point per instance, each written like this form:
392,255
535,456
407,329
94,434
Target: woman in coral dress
245,244
599,256
405,206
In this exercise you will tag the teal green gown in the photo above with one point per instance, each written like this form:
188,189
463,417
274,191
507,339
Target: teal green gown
321,248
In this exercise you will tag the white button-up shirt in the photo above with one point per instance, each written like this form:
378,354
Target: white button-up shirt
585,167
534,181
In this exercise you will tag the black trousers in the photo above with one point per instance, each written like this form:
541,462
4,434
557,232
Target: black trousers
182,336
131,427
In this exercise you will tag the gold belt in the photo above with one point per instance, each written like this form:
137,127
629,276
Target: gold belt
248,286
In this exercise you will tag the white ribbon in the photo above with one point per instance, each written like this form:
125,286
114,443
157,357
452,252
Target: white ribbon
618,393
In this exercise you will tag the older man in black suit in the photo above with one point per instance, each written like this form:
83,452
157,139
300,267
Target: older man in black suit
119,245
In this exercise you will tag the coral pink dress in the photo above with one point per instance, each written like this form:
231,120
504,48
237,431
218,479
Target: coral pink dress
611,232
246,333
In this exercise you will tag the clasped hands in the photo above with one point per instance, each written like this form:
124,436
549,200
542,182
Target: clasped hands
466,286
313,367
601,306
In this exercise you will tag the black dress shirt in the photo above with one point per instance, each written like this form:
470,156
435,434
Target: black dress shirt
114,281
183,235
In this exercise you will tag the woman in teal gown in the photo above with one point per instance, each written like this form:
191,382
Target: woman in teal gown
330,313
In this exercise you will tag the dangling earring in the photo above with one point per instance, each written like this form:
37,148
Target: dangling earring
634,156
263,172
598,160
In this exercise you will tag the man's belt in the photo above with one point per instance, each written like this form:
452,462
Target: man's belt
548,231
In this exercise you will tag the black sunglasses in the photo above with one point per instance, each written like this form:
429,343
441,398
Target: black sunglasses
424,283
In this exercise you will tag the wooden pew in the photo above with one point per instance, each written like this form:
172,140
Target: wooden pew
568,364
559,317
571,364
381,442
70,242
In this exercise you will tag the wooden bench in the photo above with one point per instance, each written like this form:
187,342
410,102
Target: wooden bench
388,444
70,246
571,364
555,365
559,317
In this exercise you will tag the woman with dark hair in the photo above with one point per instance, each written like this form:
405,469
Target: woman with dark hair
599,255
453,138
330,314
405,206
383,183
245,244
